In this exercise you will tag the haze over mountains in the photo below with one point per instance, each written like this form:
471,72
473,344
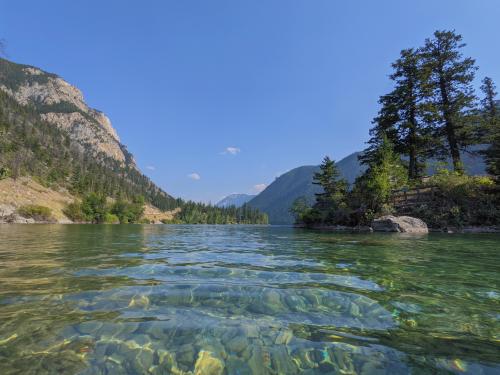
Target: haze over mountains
43,100
237,200
278,197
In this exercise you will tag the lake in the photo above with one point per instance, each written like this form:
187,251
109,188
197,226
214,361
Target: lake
160,299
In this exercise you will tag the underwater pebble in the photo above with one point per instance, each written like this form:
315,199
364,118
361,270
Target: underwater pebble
208,364
237,344
283,337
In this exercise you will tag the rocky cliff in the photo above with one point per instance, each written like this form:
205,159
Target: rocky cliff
62,104
49,133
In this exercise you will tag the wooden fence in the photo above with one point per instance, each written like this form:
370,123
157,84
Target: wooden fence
410,197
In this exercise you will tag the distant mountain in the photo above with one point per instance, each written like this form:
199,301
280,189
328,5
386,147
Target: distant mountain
278,197
237,200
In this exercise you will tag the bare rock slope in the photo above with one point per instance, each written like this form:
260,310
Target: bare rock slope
62,104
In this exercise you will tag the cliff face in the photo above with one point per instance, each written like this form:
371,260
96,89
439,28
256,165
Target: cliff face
63,105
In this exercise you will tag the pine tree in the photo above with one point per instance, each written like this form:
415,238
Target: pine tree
491,127
333,187
299,207
449,76
412,139
404,115
384,126
489,103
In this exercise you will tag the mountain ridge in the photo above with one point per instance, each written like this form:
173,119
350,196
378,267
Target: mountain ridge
237,200
62,104
50,133
278,197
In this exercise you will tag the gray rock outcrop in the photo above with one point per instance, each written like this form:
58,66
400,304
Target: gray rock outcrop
16,219
63,105
403,224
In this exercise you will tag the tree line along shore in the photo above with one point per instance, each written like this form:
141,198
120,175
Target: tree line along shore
432,111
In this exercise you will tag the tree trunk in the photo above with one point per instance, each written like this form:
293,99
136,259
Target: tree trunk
412,167
450,128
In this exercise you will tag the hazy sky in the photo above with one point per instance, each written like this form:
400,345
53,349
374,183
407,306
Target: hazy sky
216,97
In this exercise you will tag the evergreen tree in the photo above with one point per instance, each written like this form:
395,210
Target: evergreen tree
384,126
491,127
449,76
299,208
489,103
334,188
385,173
403,116
94,208
411,108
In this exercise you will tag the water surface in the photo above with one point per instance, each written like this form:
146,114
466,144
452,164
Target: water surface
139,299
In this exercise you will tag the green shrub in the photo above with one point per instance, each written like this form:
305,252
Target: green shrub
129,212
110,218
4,172
460,200
94,207
36,212
74,212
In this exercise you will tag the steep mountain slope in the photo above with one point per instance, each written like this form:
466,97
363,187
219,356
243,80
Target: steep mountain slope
236,200
48,132
62,104
50,137
278,197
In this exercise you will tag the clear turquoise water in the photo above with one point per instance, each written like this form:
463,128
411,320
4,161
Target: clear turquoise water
83,299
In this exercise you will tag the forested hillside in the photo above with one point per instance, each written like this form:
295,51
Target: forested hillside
279,196
32,146
47,132
431,114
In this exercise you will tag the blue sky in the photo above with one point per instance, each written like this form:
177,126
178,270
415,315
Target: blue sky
217,97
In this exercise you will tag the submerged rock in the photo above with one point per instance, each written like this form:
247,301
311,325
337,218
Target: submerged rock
237,344
403,224
208,364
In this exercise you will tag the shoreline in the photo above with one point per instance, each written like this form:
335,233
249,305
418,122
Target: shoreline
368,229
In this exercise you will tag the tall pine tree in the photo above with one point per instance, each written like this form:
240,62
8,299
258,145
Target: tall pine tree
489,102
412,138
449,76
491,127
333,187
404,115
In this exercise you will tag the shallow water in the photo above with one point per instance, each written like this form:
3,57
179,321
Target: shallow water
84,299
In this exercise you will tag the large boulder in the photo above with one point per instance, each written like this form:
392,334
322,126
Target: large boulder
404,224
